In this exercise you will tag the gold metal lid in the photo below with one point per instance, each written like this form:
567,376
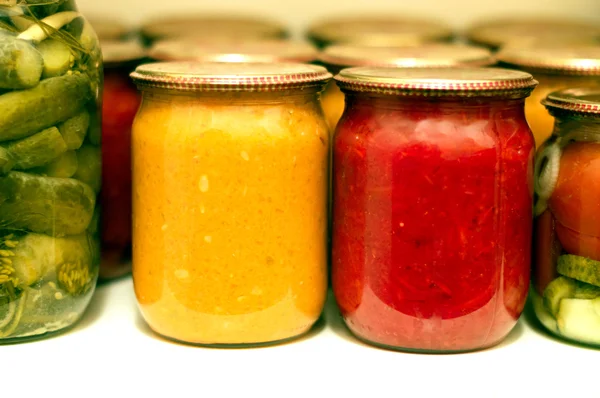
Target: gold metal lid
237,76
574,100
522,32
118,52
427,55
108,29
461,81
233,50
214,26
561,60
379,31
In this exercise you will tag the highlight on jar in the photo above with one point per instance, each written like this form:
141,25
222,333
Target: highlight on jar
566,283
338,57
555,67
432,212
230,179
121,101
50,65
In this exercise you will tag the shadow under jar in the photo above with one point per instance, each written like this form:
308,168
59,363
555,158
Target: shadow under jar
230,178
566,277
50,88
432,212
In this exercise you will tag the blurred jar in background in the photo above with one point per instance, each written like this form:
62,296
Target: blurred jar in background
233,50
212,26
109,29
378,30
120,104
440,55
554,68
521,32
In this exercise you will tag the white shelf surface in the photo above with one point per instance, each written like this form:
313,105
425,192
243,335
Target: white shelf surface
112,352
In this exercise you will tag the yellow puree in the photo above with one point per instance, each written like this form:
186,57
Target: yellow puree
230,217
333,103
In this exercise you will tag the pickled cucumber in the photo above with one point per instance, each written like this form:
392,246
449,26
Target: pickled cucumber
21,64
53,206
6,161
580,268
26,112
558,289
43,8
89,170
579,320
63,167
57,58
74,129
37,150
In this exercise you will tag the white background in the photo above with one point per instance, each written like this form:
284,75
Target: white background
298,13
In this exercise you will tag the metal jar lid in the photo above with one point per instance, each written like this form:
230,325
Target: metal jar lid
379,30
214,26
427,55
583,60
237,76
233,50
115,53
574,100
461,81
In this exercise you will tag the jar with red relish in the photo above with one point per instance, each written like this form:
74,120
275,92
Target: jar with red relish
432,211
120,104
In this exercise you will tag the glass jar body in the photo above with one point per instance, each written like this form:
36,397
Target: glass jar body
230,215
566,288
432,218
120,105
51,168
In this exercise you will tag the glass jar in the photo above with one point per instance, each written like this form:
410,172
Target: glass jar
526,32
338,57
233,50
432,213
121,101
554,68
230,173
379,30
215,26
566,277
50,87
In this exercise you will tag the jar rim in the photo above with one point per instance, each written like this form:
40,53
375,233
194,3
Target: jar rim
427,55
577,100
459,81
119,52
580,60
233,50
236,76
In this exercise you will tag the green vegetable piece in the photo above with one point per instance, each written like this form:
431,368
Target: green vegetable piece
580,268
74,130
95,133
57,58
63,167
26,112
579,320
89,170
21,64
37,150
43,8
53,206
557,290
6,161
94,228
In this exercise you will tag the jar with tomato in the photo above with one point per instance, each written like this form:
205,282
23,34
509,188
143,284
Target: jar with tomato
121,101
432,212
555,68
566,288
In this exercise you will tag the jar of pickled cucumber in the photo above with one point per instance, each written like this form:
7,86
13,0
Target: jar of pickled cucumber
50,166
338,57
230,177
566,271
121,101
555,68
378,30
215,26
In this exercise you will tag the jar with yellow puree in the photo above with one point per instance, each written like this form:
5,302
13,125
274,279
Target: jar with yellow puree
230,177
341,56
554,68
378,30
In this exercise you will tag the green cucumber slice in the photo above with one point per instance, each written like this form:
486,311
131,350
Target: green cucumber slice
57,58
579,320
580,268
557,290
